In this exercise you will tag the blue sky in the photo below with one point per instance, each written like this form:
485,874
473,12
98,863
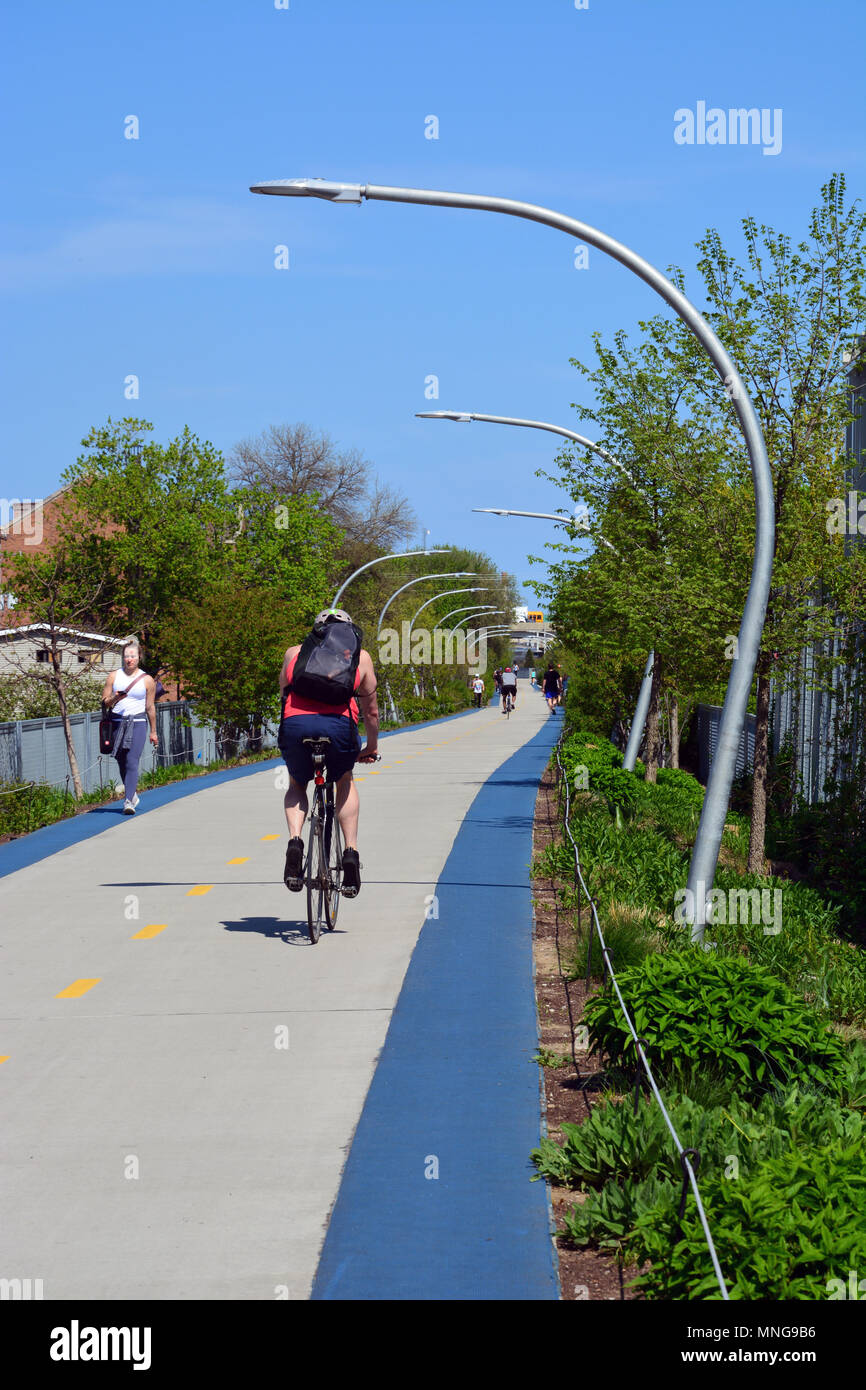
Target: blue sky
151,257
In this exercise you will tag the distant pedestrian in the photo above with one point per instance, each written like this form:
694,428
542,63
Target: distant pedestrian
478,691
552,685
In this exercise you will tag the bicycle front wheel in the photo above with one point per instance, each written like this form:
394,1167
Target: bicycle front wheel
316,879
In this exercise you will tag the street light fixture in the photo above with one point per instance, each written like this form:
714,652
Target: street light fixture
705,855
462,418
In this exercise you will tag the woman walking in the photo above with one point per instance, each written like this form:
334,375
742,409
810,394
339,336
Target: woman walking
129,719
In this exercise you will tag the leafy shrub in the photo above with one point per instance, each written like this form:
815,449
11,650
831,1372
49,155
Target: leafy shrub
628,1167
798,1222
724,1013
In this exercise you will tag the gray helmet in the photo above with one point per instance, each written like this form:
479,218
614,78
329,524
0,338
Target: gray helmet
338,614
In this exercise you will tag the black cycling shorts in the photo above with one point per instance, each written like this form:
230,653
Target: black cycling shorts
340,756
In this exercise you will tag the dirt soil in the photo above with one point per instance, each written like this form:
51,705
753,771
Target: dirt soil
583,1274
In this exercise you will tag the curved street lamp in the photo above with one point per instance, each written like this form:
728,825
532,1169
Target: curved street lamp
705,855
471,589
379,560
470,608
479,612
440,574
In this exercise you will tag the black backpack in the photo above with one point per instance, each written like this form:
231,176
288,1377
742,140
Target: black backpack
327,663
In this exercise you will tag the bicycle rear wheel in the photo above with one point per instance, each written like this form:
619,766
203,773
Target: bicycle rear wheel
334,860
317,871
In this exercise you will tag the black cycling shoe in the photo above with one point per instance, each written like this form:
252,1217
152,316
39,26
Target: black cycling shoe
293,875
351,874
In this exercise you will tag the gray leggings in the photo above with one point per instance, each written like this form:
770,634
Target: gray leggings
128,759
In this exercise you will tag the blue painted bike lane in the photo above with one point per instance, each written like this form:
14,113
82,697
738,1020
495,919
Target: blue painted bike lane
436,1200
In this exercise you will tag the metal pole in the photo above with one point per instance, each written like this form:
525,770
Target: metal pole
705,855
637,724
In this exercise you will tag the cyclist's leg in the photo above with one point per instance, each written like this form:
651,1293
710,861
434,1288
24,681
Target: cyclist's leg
299,762
296,806
348,805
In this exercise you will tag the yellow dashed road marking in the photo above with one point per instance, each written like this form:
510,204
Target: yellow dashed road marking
270,837
146,932
6,1058
199,890
76,989
245,860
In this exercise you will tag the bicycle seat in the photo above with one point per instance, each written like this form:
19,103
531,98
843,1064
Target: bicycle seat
323,740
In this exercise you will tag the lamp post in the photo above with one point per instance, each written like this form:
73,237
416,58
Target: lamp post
705,855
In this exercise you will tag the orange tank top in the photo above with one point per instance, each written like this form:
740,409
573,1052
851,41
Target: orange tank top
300,704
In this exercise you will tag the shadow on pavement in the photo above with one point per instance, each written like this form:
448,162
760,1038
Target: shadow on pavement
289,932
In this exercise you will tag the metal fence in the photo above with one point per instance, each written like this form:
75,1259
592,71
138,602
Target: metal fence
35,749
709,718
823,724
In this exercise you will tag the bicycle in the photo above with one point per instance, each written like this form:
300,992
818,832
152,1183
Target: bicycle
507,703
324,874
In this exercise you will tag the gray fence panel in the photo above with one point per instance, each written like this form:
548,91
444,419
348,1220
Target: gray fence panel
709,719
35,749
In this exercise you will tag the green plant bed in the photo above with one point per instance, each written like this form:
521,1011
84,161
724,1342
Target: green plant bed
720,1013
628,1170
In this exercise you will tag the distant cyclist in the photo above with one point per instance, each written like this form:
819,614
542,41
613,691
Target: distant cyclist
552,686
323,682
509,687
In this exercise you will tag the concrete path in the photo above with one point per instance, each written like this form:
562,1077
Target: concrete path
183,1071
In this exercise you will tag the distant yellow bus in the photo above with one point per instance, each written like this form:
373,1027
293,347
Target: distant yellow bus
534,617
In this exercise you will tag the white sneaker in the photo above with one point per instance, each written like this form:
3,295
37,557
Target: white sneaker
128,808
119,788
135,799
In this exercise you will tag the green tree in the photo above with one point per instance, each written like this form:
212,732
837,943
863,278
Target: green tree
228,648
790,317
148,520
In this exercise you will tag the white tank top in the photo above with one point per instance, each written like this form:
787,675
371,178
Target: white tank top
134,702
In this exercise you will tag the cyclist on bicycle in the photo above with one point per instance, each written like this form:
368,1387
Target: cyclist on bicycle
509,687
335,719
